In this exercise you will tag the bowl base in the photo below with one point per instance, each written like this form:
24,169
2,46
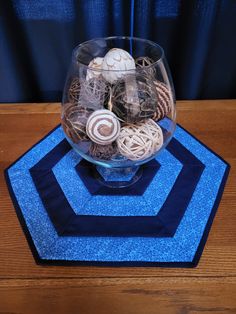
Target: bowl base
118,177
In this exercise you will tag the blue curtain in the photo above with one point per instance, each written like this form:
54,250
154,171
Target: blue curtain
37,37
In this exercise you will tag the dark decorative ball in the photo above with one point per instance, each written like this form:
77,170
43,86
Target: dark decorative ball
134,99
164,101
103,151
144,64
74,118
95,92
74,91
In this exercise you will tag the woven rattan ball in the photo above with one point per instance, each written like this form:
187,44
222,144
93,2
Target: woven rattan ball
140,141
144,65
103,151
74,91
134,99
74,119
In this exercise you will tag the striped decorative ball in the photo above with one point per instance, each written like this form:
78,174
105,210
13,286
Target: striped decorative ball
74,118
164,101
103,127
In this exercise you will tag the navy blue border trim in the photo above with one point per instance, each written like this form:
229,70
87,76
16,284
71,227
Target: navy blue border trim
207,229
67,223
191,264
19,214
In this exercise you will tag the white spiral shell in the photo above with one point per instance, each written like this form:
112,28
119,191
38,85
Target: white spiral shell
115,63
140,141
103,127
95,64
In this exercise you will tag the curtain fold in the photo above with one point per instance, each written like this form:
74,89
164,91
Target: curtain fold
37,38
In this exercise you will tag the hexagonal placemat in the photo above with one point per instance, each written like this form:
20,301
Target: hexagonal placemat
162,220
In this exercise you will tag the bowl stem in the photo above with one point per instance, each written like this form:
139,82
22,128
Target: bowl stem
118,177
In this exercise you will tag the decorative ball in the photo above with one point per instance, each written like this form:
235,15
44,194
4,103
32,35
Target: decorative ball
115,62
164,101
74,91
140,141
103,127
95,64
145,65
134,100
74,119
103,151
94,92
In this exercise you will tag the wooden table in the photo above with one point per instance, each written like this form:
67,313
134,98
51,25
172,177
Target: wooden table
28,288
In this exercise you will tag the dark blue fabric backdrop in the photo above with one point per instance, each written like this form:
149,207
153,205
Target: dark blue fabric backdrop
36,39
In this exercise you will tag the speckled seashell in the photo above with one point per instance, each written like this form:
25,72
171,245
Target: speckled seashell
105,152
164,101
140,141
103,127
115,63
95,64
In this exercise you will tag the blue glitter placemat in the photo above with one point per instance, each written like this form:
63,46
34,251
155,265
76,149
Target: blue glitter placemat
162,220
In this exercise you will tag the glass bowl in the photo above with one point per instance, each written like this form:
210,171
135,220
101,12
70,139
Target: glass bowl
118,107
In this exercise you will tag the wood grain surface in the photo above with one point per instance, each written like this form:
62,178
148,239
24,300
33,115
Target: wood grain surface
28,288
